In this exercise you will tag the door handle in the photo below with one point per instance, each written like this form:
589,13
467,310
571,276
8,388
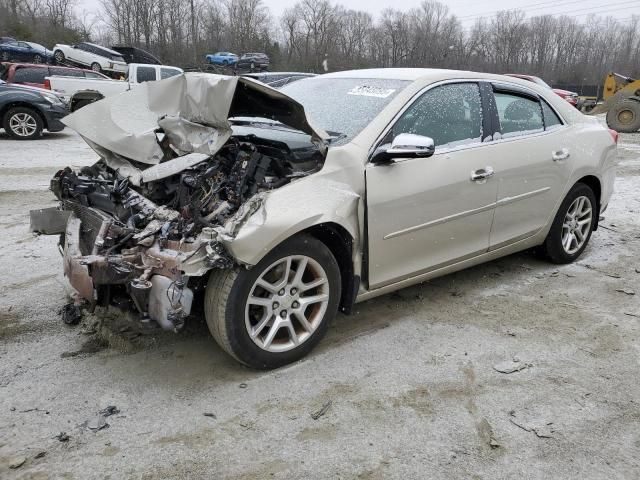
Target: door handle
560,155
482,174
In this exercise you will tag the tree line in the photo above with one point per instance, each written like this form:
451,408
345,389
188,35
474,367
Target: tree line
314,33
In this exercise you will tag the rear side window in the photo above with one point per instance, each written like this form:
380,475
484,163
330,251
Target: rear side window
551,119
30,75
67,72
93,75
146,74
168,72
450,114
519,115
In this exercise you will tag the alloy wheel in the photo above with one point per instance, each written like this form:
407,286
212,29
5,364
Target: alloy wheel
59,56
576,225
37,59
287,303
23,124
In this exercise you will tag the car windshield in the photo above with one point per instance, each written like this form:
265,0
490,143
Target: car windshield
344,106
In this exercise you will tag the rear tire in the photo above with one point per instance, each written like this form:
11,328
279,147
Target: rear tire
624,116
23,123
262,327
95,66
572,226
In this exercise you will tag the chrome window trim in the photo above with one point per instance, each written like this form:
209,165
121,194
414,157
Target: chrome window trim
449,150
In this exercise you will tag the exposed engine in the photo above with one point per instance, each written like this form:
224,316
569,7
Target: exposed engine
131,245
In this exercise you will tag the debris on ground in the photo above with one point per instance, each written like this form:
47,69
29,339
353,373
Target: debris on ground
40,454
540,428
17,462
62,437
319,413
511,366
486,433
209,414
96,424
243,385
626,291
71,314
632,314
108,411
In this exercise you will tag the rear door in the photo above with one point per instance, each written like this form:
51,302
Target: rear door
426,213
532,161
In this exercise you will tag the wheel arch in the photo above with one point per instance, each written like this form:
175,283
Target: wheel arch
5,108
594,184
340,243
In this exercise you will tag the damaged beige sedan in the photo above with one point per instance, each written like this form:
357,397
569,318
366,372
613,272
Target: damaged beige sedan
277,208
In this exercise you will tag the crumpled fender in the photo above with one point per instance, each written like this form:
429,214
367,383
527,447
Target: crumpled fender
291,209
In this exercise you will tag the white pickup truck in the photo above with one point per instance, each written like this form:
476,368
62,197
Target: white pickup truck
138,73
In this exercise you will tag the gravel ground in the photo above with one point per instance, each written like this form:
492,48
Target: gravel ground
408,382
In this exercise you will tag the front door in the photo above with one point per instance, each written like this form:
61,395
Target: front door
428,212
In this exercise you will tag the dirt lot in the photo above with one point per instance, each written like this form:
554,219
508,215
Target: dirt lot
410,377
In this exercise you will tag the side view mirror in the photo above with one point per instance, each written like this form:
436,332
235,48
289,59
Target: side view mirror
405,145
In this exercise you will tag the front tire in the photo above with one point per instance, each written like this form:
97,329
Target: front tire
59,57
37,58
95,66
572,226
5,56
276,312
23,123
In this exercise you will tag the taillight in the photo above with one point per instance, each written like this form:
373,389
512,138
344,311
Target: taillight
47,84
615,135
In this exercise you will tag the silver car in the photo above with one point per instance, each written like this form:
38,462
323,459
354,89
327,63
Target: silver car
282,207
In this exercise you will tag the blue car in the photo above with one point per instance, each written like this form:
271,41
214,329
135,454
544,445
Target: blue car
25,52
222,58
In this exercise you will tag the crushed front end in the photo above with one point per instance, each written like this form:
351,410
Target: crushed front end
142,238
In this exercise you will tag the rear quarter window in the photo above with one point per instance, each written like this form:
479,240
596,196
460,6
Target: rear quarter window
30,75
145,74
168,72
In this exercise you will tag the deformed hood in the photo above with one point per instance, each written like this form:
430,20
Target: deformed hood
192,109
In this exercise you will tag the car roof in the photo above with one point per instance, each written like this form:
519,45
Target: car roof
103,48
413,74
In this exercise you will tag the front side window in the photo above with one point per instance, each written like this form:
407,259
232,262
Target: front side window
66,72
146,74
519,115
449,114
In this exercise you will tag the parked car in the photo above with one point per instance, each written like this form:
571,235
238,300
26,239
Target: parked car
35,74
278,79
339,188
570,97
253,62
6,39
25,52
82,91
90,55
136,55
26,111
222,58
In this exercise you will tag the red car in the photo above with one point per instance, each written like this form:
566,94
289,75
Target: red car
34,74
571,97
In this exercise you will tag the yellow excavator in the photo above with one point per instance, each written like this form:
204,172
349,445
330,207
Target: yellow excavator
621,102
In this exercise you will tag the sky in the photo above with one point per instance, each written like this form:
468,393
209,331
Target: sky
468,10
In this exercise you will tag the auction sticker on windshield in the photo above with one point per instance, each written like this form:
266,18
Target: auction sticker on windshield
368,91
